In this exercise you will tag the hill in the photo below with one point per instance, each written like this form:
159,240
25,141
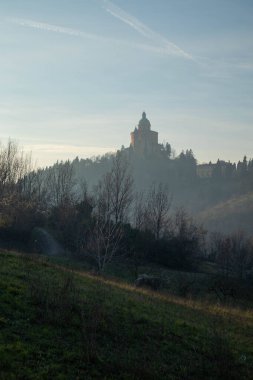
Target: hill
56,323
233,214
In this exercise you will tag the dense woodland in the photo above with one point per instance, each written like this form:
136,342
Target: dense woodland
94,210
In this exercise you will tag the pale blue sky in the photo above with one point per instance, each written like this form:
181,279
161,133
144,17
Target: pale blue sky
77,74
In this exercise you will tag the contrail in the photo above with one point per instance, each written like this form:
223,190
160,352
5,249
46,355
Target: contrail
165,45
53,28
77,33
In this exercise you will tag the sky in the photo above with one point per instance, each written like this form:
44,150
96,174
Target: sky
76,75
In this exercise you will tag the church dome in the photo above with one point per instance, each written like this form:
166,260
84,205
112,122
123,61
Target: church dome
144,123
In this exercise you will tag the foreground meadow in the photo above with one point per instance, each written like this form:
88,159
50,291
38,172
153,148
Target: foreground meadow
56,323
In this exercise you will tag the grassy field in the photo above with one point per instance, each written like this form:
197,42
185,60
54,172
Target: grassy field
56,323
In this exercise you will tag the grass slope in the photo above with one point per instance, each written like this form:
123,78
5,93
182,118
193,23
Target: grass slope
58,324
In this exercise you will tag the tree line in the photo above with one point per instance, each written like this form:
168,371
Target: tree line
111,219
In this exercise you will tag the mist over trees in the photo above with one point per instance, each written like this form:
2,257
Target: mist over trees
120,206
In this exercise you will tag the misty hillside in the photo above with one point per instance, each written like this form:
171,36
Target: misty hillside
233,214
201,196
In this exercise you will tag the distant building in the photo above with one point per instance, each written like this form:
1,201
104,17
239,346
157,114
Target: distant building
144,141
205,170
220,169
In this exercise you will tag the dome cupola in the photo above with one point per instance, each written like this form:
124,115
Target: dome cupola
144,123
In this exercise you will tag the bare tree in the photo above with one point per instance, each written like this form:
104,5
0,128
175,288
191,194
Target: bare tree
233,253
225,257
241,251
105,234
112,199
114,193
190,236
139,211
103,207
121,182
157,210
14,166
214,245
60,182
103,242
41,187
18,203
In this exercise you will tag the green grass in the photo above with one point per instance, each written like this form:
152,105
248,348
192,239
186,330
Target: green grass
60,324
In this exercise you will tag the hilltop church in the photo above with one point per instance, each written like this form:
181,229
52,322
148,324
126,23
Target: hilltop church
144,141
